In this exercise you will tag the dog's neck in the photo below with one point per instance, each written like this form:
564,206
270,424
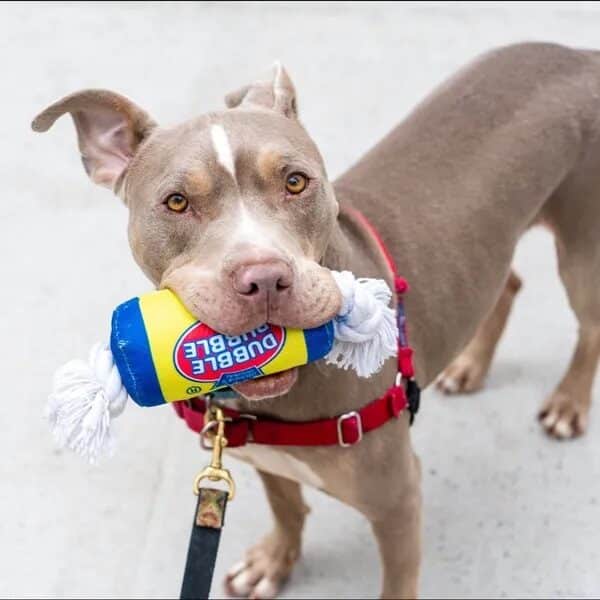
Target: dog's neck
352,247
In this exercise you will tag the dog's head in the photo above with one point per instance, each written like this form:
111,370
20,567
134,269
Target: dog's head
232,210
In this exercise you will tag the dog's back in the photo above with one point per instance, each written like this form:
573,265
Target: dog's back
454,186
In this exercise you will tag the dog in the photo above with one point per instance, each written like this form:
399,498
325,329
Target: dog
235,213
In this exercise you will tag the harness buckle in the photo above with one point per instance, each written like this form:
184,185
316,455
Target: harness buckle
413,395
340,432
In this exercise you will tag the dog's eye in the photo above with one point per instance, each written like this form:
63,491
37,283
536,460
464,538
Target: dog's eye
177,203
296,183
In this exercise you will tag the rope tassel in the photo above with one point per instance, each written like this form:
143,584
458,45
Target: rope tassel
365,329
86,396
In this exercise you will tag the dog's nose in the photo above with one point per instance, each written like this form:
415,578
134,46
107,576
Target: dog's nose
262,279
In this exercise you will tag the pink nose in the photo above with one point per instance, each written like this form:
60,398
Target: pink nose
262,279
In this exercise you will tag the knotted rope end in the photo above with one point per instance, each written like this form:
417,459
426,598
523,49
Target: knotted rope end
85,398
365,329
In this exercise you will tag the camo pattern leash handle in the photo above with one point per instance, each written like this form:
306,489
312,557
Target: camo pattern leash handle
204,543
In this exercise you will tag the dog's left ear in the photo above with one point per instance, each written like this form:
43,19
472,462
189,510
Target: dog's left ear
110,128
276,93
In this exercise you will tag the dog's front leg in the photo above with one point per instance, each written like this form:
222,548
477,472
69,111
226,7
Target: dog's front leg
268,564
398,533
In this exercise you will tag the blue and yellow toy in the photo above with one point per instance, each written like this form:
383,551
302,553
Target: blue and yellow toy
164,353
159,353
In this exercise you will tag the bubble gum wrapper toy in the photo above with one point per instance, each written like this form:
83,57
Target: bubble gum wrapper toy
159,353
164,354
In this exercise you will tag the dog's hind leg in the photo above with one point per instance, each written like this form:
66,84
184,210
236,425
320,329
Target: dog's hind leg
268,564
565,413
467,371
573,214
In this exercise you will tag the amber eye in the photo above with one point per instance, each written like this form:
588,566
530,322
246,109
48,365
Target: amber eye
177,203
296,183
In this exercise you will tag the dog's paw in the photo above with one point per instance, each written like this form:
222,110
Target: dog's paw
563,417
464,375
264,571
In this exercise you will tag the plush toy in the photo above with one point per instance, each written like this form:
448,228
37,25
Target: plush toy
160,353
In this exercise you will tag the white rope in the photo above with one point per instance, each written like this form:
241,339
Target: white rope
85,397
365,328
88,395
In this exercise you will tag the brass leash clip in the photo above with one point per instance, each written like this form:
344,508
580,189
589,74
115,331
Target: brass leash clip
214,418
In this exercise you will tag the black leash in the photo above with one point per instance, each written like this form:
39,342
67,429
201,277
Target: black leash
209,517
204,544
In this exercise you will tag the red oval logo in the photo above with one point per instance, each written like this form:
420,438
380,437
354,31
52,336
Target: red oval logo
203,355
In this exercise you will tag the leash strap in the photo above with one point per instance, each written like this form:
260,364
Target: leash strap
204,544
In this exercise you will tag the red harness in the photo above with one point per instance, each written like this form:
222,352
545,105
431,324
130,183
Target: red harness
343,430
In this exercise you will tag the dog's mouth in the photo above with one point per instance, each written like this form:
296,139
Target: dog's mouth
269,386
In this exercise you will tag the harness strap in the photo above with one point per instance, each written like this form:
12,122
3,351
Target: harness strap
343,430
406,368
405,352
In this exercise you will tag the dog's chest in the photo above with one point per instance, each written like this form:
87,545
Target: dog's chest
277,462
271,459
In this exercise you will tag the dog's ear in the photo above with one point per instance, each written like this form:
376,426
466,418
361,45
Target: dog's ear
275,93
109,130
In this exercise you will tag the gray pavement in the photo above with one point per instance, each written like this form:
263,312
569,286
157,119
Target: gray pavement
508,513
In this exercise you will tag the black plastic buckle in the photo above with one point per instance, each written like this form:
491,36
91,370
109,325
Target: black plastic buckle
413,395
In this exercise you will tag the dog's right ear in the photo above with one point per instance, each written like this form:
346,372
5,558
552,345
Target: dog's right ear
110,129
276,93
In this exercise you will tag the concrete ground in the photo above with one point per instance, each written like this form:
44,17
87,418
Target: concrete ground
508,513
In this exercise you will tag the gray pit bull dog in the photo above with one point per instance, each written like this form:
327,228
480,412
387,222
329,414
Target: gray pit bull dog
235,213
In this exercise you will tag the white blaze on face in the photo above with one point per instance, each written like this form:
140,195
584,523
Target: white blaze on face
249,229
223,149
